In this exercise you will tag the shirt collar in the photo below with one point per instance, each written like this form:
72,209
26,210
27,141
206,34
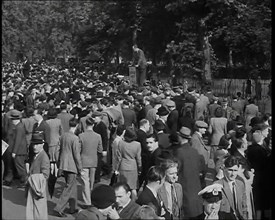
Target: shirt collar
153,191
125,204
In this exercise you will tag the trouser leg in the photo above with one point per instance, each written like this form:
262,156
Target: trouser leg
86,189
92,177
69,193
19,162
98,169
141,76
9,166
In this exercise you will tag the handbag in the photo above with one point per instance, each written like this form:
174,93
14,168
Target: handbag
114,178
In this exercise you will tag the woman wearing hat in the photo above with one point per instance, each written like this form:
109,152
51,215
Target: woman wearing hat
129,151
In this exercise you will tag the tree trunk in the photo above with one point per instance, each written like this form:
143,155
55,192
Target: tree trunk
135,36
230,62
207,59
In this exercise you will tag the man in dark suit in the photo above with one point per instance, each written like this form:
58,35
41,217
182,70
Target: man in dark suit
148,196
17,149
129,115
140,63
191,167
26,67
126,208
144,128
172,119
233,193
100,128
153,149
163,138
69,161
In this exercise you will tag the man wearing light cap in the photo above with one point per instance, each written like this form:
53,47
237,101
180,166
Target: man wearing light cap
212,196
197,141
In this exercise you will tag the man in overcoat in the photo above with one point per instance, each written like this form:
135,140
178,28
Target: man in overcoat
191,168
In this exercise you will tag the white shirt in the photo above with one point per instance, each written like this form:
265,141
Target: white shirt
121,208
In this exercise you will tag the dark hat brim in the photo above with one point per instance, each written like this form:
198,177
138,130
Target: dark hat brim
184,135
15,117
38,142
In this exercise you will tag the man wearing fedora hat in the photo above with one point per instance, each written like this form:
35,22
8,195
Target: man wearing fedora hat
36,207
17,149
191,167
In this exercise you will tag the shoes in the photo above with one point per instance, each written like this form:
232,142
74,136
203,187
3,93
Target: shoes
60,214
73,211
6,183
21,186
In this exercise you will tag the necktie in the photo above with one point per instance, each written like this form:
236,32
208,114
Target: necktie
234,196
174,201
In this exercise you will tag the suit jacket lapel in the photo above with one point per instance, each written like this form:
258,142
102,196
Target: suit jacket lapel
239,196
155,200
199,137
178,192
228,193
163,196
126,210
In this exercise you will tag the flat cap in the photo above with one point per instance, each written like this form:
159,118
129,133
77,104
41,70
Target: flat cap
201,124
96,114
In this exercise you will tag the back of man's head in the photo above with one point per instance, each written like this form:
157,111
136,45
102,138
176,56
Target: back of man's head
63,106
73,123
155,173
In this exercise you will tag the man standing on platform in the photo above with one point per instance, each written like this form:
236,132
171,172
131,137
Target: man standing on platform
140,63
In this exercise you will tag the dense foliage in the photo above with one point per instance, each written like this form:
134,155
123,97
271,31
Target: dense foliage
188,37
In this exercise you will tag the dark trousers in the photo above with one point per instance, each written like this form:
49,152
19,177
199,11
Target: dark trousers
9,166
141,75
19,162
69,193
99,168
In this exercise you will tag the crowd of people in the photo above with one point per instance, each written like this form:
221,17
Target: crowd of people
156,142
